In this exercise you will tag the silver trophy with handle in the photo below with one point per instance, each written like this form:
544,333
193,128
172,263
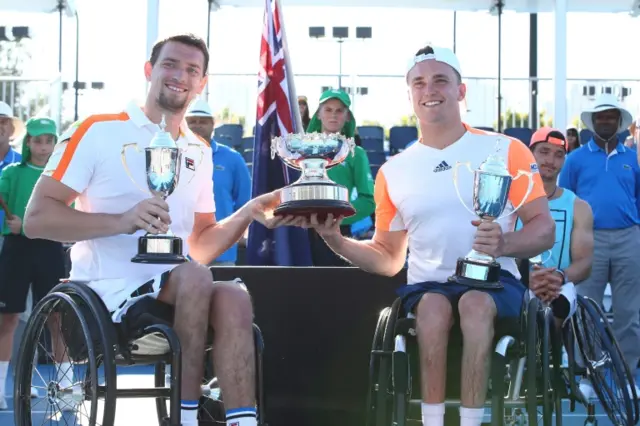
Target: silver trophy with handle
491,185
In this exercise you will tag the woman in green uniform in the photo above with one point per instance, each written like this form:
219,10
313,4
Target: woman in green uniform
334,116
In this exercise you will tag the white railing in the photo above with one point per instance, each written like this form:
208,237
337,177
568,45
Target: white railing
31,97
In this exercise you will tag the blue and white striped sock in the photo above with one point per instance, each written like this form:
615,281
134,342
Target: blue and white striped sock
244,416
189,413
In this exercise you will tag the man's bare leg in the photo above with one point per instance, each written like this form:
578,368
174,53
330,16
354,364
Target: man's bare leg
231,316
477,314
189,289
434,318
8,325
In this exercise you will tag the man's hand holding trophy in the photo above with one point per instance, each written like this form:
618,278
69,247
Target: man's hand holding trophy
491,186
163,161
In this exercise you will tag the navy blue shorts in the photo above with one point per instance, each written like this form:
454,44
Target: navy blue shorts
508,300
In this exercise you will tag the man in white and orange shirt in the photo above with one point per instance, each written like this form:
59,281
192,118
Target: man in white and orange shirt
111,212
417,208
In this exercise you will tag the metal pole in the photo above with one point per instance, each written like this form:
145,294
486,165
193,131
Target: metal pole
60,9
206,93
533,69
499,6
75,115
340,75
455,32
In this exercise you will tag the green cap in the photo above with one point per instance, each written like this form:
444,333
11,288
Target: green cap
349,128
41,126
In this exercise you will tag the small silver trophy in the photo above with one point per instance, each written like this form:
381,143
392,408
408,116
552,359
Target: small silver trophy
491,185
541,259
314,192
163,161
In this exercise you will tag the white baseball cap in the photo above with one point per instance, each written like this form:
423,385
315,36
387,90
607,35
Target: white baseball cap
199,108
440,54
18,125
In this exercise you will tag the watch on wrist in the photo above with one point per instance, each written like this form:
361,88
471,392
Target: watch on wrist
564,276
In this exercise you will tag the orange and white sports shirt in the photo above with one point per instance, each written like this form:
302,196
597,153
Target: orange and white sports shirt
415,192
89,160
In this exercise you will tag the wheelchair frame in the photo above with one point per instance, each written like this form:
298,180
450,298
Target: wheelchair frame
389,400
111,349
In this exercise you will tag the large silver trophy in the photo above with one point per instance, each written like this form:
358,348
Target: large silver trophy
491,186
314,192
163,161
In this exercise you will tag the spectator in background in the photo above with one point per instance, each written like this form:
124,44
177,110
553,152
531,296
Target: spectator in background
232,182
573,139
303,104
10,128
606,175
334,116
632,141
25,261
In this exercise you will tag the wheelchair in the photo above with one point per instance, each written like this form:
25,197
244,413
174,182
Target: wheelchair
527,369
524,373
96,346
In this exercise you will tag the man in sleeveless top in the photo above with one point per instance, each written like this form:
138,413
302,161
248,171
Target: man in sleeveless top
417,208
569,261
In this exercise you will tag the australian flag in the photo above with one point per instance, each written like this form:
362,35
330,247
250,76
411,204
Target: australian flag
277,115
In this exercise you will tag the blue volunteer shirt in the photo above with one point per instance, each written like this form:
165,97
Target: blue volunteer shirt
231,187
11,157
609,183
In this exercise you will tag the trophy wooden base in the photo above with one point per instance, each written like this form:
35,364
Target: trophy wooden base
320,207
477,274
159,249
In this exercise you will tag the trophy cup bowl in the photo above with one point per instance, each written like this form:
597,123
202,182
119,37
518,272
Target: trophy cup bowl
163,159
314,192
491,185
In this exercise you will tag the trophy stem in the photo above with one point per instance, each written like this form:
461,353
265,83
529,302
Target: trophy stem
314,169
480,257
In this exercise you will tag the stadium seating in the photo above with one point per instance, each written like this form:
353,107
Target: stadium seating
229,134
400,136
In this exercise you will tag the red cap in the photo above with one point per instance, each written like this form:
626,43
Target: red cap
549,135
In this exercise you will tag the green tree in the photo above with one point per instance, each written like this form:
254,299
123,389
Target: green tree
227,117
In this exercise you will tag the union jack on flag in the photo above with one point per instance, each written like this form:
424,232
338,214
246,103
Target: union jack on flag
276,115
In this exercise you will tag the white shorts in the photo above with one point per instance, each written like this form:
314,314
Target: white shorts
568,291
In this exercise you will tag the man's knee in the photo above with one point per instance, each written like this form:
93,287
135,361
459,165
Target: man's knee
189,279
434,314
231,303
477,312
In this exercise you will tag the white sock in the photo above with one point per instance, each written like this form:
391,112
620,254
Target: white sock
65,374
4,368
245,416
189,413
471,416
432,414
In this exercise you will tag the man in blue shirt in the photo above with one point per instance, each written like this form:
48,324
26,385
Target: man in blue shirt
11,128
231,179
605,174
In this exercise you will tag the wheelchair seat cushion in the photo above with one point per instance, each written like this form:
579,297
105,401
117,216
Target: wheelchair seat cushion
508,300
146,312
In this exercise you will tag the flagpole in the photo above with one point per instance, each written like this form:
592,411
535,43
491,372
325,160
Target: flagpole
290,80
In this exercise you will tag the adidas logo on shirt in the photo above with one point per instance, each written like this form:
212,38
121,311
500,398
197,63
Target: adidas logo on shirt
442,167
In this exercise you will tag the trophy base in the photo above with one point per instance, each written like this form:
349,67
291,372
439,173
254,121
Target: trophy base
305,199
159,249
477,274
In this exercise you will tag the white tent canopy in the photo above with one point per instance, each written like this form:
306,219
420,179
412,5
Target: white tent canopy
38,6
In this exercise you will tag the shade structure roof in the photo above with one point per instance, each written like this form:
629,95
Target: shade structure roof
529,6
37,6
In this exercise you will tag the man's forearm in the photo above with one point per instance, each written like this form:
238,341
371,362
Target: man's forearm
217,238
52,220
534,238
578,271
366,255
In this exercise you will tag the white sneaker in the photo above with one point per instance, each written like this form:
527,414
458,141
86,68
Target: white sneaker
34,392
587,390
3,402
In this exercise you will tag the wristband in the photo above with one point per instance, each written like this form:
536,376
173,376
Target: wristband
564,276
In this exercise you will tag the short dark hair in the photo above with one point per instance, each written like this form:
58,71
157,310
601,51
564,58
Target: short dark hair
428,50
189,40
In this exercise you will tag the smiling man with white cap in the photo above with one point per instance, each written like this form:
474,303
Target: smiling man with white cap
605,174
417,208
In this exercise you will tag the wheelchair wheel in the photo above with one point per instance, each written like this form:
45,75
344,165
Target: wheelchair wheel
374,365
608,373
533,351
550,359
66,394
